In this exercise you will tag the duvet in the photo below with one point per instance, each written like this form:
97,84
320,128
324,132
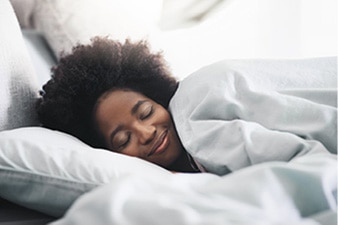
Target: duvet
303,191
270,153
226,123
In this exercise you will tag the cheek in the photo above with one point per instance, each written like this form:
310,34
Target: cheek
164,117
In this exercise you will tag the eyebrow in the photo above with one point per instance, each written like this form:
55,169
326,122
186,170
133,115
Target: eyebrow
137,106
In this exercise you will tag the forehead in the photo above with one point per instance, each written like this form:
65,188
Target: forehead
116,105
120,97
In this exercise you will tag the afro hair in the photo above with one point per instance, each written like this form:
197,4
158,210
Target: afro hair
68,99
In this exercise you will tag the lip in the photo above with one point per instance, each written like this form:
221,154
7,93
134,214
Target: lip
161,144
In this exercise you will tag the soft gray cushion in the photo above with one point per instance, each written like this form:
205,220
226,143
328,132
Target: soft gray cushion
65,23
42,56
23,10
18,83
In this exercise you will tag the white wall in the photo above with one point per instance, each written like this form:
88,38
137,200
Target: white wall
254,29
319,25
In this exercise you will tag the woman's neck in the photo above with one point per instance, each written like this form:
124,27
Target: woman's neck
183,164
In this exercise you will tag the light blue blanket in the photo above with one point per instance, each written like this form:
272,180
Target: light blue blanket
302,192
227,121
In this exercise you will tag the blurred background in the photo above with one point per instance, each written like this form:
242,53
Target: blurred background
250,29
190,33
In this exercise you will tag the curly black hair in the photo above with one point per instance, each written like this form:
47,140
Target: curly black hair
68,99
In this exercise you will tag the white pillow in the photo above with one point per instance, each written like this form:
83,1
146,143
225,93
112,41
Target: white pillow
65,23
18,82
47,170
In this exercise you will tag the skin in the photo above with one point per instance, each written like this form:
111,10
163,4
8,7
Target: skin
134,125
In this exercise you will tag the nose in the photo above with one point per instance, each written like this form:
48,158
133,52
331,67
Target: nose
145,133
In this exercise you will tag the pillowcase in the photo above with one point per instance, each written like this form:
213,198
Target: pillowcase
47,170
66,23
18,81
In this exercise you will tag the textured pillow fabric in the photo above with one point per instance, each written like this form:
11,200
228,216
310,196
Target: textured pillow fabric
47,170
65,23
23,10
18,82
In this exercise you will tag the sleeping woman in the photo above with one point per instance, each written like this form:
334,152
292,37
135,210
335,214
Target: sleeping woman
122,97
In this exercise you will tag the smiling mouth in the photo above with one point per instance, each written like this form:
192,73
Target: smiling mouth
161,144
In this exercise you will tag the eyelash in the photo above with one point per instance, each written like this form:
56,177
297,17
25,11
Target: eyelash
148,114
124,144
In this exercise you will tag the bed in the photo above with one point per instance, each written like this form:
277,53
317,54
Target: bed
49,177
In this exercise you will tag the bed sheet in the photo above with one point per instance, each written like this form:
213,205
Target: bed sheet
303,191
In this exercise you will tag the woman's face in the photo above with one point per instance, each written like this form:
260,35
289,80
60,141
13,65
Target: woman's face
133,124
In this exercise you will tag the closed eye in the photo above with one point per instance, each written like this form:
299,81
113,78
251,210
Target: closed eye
121,141
146,112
